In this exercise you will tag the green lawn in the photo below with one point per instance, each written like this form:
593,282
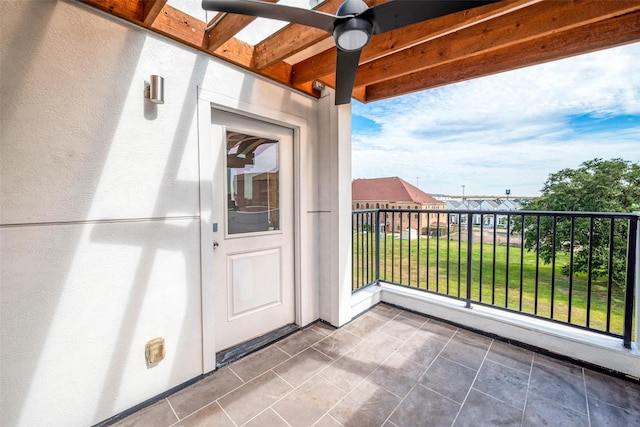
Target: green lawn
406,263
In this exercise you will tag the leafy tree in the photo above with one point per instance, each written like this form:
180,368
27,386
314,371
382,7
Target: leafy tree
596,186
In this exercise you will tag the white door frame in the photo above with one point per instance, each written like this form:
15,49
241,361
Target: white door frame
208,101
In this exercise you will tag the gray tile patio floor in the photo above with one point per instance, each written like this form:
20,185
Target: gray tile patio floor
394,368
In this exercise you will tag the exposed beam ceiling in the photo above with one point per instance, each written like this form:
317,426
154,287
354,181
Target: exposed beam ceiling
485,40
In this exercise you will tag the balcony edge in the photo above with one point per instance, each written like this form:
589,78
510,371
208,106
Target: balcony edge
592,348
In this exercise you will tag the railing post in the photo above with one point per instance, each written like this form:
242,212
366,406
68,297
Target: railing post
377,246
354,281
632,244
469,257
637,284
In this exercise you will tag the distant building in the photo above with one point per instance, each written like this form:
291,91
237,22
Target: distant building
396,193
499,205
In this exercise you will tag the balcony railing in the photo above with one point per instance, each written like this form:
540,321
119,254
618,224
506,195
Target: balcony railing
574,268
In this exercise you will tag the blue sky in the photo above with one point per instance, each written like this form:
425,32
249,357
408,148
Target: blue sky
507,131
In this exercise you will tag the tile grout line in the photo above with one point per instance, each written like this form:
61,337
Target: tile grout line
526,395
268,407
262,412
230,391
347,393
561,403
327,415
392,353
278,414
322,338
586,395
511,367
242,385
238,376
423,374
215,402
172,410
293,388
440,394
227,414
285,352
325,354
491,361
557,362
472,383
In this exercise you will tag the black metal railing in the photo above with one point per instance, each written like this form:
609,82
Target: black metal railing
365,249
575,268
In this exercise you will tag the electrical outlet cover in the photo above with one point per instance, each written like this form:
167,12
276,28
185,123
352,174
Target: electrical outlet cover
155,351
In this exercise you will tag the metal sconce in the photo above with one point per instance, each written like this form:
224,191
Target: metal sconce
155,90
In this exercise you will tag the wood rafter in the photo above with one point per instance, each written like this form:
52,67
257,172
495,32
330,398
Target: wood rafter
571,42
538,21
383,45
486,40
225,26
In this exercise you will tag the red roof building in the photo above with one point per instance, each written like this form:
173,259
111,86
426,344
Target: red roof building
392,190
396,193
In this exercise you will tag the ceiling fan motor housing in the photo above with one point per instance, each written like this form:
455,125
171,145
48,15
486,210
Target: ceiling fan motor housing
352,34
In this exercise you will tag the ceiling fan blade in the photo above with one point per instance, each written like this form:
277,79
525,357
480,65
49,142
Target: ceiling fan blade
400,13
311,18
346,68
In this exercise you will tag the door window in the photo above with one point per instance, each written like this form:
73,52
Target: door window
253,183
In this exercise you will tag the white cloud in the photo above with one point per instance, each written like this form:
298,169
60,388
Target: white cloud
504,131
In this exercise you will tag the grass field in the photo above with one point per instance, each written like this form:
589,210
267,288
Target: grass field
440,265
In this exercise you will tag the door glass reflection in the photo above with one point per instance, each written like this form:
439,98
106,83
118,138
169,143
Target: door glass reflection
253,193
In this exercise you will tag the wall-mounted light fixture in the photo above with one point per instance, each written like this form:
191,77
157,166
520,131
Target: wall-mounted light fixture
155,90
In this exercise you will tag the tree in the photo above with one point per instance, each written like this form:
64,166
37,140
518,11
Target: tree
596,186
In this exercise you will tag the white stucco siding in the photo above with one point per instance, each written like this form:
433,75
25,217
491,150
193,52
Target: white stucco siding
100,245
79,302
74,119
74,107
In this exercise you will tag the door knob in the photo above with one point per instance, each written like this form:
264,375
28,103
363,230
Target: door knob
215,244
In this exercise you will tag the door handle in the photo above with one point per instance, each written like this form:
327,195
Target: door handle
215,245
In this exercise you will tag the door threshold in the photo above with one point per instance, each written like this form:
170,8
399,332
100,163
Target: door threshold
229,355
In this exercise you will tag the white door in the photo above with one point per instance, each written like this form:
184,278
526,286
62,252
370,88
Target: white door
253,224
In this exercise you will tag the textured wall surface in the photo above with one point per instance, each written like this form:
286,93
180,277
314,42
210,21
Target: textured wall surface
99,220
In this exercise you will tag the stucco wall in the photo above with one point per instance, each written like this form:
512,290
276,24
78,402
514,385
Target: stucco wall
99,221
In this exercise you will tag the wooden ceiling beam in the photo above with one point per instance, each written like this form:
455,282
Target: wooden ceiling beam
292,39
315,67
225,26
179,26
130,10
384,44
151,10
236,52
164,19
524,24
141,12
605,34
481,41
287,42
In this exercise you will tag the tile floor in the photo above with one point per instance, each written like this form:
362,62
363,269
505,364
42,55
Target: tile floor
394,368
